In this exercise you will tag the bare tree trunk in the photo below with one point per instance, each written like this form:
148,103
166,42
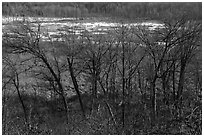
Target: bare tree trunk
16,84
181,82
107,83
111,113
57,79
66,107
173,81
94,82
139,82
180,86
76,87
94,92
123,83
164,89
154,103
113,82
4,113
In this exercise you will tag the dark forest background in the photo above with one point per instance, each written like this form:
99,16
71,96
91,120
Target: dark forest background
130,10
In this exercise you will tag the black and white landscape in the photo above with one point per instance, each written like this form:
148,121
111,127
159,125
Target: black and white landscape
101,68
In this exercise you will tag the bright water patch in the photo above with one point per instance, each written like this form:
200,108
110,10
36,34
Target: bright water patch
52,28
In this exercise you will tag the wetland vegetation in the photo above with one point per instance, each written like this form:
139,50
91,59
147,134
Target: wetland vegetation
101,68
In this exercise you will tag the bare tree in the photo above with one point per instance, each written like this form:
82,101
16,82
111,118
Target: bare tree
26,40
72,53
14,72
169,47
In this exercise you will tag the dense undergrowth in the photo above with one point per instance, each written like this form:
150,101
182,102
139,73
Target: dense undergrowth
48,117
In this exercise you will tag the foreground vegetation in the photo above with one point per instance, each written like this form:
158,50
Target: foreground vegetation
47,117
131,80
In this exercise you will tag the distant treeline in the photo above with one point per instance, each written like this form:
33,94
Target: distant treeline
131,10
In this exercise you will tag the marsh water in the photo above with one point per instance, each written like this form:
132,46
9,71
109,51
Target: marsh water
52,28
